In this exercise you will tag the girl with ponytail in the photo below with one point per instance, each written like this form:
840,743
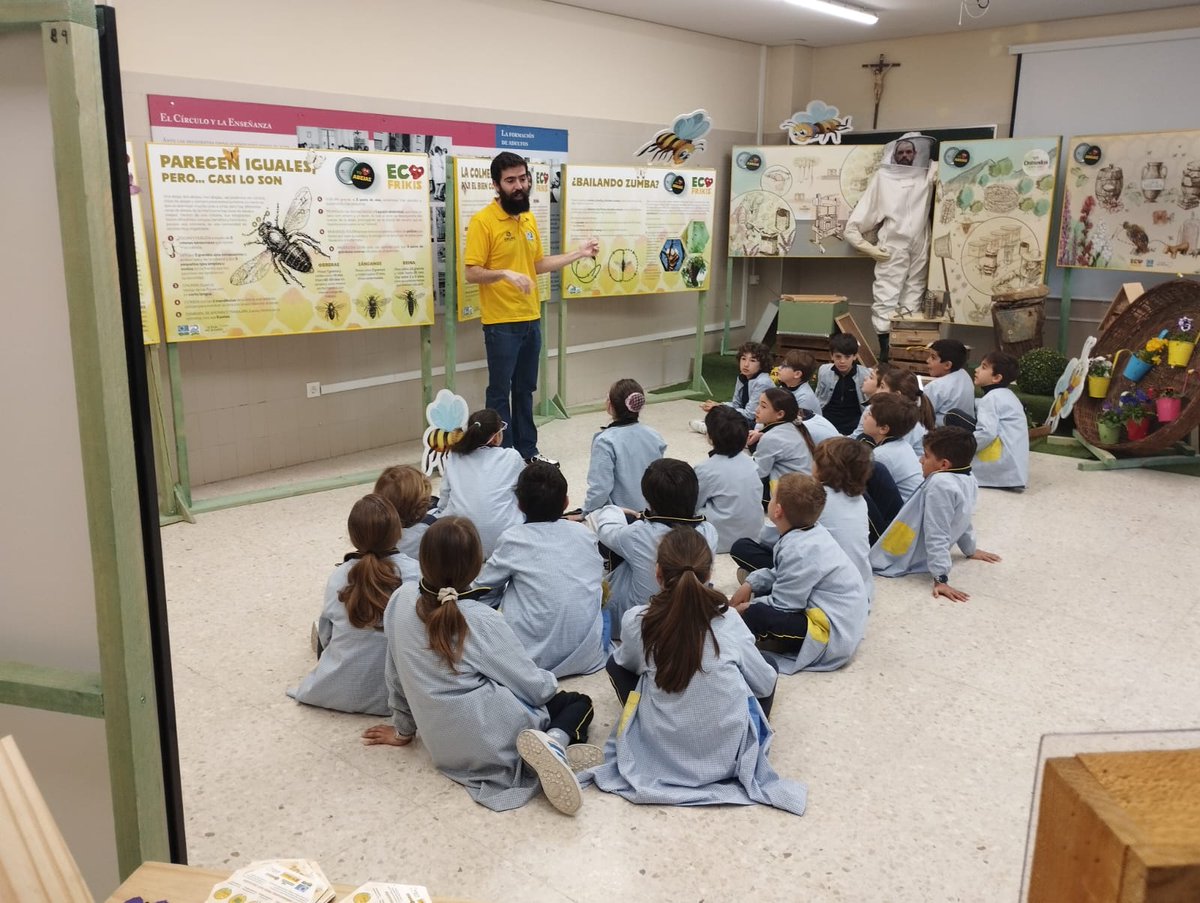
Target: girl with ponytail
903,382
622,451
478,477
457,673
349,633
786,443
696,694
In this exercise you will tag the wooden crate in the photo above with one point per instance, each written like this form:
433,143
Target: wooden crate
817,346
915,332
1119,828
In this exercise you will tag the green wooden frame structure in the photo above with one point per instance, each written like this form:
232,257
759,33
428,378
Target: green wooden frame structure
124,692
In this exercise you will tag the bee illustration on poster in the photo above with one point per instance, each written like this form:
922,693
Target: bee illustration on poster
1131,203
676,145
794,201
991,223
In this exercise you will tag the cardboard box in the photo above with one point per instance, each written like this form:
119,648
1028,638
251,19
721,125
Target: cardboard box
811,314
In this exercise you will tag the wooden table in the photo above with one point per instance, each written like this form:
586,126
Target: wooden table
155,881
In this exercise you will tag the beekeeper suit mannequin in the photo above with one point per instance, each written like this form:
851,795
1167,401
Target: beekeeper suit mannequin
896,207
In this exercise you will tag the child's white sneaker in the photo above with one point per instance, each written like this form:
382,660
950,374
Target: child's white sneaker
698,426
742,574
549,762
582,756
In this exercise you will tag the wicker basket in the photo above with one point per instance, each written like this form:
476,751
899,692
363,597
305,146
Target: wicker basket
1144,319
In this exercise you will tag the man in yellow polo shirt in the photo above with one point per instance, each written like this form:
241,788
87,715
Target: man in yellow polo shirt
504,257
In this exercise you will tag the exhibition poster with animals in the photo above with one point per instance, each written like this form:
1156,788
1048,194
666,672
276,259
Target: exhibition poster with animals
257,241
474,190
654,226
1131,202
991,222
794,200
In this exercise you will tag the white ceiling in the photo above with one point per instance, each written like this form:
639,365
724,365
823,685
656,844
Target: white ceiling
777,22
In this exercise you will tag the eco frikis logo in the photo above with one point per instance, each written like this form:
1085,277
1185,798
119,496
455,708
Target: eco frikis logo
405,175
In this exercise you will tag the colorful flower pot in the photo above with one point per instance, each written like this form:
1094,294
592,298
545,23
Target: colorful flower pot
1110,433
1179,353
1167,409
1098,386
1136,430
1136,368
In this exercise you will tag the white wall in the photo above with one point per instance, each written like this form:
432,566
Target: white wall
47,601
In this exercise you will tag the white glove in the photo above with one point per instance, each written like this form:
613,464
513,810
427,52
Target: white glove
854,238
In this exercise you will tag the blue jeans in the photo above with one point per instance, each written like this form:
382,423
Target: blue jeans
513,351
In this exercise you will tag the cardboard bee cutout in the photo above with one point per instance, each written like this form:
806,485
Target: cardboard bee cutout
678,143
818,123
447,416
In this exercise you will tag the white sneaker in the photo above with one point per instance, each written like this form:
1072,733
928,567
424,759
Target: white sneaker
549,763
699,427
582,756
742,574
539,458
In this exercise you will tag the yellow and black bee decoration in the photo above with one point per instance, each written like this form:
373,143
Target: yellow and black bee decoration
684,138
447,416
819,123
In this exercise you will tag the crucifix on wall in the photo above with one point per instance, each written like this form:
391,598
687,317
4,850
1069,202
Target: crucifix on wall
878,71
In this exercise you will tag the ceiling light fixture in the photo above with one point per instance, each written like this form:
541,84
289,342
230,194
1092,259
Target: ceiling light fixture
841,10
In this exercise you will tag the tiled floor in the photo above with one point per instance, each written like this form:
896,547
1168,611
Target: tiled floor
920,756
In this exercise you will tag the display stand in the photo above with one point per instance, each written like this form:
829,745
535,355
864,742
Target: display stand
725,349
1064,311
553,407
171,510
450,316
1180,453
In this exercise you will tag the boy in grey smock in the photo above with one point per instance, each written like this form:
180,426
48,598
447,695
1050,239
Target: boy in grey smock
671,489
886,425
729,484
754,378
1001,427
546,576
951,388
809,609
936,517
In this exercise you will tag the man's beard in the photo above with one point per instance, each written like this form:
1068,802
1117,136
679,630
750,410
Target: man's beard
514,206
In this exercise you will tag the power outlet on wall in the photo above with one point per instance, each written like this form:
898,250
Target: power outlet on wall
313,390
755,278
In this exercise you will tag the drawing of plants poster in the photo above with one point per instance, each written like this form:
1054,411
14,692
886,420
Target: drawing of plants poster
991,221
1131,202
794,200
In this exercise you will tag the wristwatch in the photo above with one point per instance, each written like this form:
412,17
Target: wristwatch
942,578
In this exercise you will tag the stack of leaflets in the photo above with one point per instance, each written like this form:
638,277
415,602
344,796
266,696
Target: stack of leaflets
275,881
378,892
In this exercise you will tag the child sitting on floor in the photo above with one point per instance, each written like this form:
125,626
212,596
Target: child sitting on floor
844,467
622,451
809,609
696,695
794,375
458,674
936,517
786,443
1001,427
888,421
546,577
839,384
951,388
478,476
351,647
670,488
408,489
729,485
754,378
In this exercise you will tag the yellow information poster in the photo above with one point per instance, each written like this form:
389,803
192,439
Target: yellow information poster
654,226
473,190
150,335
272,241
